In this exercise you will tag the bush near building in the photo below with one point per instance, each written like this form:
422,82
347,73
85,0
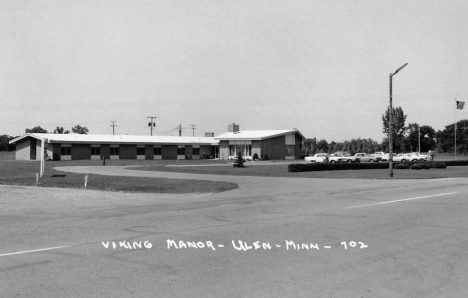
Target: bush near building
456,162
363,166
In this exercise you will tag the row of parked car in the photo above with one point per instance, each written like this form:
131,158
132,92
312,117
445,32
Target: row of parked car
365,157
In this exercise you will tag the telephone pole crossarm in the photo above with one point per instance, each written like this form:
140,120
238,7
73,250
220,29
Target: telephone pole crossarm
151,124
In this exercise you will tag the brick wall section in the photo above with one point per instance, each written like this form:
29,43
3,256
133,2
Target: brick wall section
105,151
149,152
257,148
23,149
169,152
56,151
80,151
189,150
205,150
32,144
275,148
127,152
223,149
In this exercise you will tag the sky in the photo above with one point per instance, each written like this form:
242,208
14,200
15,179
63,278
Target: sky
319,66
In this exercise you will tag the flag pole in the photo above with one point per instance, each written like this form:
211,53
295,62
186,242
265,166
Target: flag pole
456,128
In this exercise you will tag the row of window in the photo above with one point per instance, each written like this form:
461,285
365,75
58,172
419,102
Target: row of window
247,150
140,151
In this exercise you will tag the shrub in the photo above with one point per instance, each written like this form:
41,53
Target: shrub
402,166
297,167
456,163
265,157
439,165
334,166
255,156
362,166
419,166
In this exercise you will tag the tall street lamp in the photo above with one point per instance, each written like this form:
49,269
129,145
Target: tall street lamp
390,123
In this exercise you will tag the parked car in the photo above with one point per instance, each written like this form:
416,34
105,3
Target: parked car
319,157
402,157
364,157
396,157
338,157
378,154
421,157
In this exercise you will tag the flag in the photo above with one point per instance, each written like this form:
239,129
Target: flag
460,105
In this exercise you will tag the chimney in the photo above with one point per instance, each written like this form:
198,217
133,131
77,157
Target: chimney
233,127
209,134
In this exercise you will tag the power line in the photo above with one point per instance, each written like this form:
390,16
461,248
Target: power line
193,129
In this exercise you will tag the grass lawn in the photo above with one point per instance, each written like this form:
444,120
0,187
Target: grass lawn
282,171
24,173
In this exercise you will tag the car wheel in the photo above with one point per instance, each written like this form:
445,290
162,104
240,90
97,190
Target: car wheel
403,160
332,161
313,161
350,161
415,160
371,160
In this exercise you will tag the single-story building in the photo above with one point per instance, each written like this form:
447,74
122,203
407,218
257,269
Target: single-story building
275,144
84,146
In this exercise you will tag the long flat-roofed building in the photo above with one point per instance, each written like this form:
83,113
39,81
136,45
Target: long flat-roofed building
276,144
84,146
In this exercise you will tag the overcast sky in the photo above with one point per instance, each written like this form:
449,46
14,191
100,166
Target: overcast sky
319,66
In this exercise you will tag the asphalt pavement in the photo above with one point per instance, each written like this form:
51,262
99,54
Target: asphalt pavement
271,237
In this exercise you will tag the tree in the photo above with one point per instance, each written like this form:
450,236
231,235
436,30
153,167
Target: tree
4,146
80,130
424,135
36,129
310,147
322,146
61,130
446,138
399,129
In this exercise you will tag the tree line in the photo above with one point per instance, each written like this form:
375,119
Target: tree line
5,139
405,138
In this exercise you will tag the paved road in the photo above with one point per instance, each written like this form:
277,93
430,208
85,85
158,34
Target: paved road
411,239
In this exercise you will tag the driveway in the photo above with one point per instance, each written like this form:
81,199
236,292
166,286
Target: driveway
271,237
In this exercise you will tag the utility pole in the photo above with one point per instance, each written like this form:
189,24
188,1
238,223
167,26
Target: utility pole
193,129
151,124
419,139
113,126
390,123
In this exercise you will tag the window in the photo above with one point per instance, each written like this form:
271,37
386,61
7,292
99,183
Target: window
95,150
196,151
114,150
181,150
245,149
140,150
65,150
157,150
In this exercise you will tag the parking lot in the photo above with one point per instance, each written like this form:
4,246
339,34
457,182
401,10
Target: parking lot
298,237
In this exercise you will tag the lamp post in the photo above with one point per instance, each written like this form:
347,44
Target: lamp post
419,139
390,123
